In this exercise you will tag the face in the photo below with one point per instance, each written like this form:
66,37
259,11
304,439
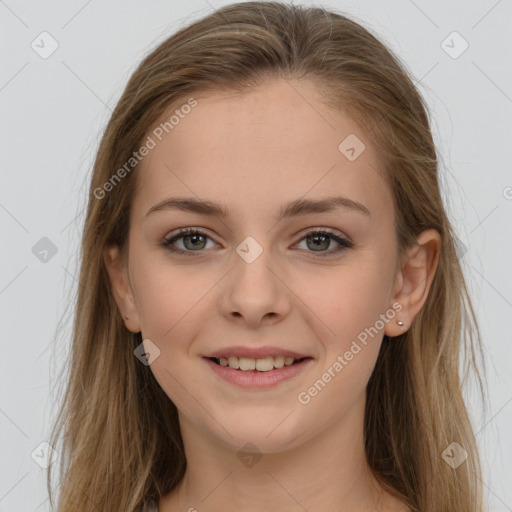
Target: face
254,278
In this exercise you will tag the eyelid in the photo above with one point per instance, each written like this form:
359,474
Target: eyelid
343,240
328,231
183,232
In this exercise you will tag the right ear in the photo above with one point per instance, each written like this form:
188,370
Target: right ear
123,294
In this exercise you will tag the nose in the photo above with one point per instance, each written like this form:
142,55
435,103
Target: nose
255,291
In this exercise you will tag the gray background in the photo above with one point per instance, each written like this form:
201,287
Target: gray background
53,111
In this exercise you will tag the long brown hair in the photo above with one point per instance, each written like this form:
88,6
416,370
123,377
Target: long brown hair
121,443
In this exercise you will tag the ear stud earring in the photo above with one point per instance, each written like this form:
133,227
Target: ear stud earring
126,317
399,322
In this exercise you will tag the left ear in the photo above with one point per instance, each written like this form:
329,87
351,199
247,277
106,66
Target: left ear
413,280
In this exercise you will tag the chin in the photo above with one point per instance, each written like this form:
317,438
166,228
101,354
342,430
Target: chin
260,435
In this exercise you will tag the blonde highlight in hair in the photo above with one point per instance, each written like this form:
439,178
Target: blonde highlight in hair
121,444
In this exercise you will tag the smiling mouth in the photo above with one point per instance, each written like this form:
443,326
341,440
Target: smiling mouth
265,364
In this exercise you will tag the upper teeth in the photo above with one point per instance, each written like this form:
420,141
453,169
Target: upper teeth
263,365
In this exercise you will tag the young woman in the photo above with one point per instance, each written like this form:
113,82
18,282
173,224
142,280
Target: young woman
271,309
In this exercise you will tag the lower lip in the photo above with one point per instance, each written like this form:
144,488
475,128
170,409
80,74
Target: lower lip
256,379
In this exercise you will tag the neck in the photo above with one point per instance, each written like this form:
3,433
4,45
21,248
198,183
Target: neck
327,472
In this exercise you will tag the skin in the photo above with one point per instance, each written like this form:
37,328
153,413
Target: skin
253,153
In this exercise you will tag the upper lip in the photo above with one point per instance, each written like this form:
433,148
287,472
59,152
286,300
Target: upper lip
255,353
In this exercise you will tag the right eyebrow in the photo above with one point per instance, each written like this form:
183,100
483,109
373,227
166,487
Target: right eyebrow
192,205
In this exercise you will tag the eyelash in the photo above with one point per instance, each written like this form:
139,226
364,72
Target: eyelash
344,244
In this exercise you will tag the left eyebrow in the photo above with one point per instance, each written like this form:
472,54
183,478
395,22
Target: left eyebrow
305,206
291,209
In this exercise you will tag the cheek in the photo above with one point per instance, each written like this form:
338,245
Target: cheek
168,296
352,308
348,300
339,391
171,308
359,319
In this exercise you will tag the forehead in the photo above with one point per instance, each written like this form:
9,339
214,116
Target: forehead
273,144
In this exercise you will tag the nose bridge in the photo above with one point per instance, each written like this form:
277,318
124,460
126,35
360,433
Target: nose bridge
254,288
253,263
